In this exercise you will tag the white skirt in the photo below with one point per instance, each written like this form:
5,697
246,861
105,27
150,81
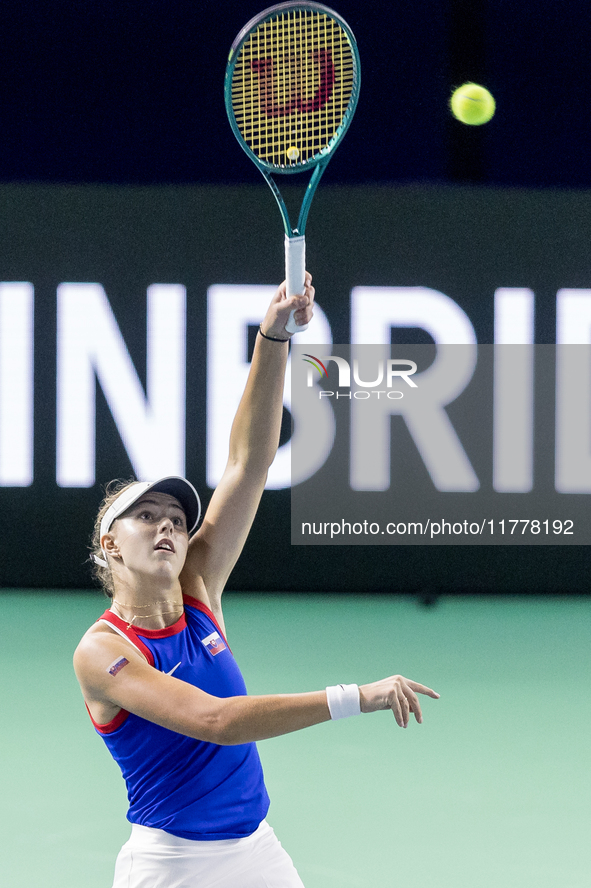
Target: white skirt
153,858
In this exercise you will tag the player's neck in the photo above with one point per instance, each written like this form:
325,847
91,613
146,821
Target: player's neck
151,607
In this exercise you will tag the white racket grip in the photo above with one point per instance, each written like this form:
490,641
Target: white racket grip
295,274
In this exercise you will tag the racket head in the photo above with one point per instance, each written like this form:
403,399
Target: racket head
292,84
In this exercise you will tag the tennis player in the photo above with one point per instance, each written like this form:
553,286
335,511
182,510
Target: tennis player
157,674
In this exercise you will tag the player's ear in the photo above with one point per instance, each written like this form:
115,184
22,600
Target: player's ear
109,546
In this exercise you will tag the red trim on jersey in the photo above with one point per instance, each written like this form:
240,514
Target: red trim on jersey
198,605
130,633
111,726
164,633
152,633
156,633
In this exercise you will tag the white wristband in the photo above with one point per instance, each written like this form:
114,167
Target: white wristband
343,701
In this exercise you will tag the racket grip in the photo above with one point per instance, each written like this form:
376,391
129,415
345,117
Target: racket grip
295,274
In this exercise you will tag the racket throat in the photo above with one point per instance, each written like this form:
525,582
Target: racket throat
298,230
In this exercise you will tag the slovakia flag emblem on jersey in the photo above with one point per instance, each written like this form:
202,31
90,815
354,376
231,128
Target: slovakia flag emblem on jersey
213,643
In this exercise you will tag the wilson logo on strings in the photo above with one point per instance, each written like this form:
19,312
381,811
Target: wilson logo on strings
268,98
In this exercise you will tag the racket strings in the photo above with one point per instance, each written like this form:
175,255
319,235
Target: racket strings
292,85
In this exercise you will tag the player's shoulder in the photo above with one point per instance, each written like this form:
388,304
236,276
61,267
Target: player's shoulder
98,645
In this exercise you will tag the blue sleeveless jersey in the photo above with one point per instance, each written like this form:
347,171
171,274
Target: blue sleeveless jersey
192,789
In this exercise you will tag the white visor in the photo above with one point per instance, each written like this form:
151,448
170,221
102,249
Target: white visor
174,485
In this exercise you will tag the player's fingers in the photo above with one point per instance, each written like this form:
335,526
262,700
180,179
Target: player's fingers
422,689
299,304
308,290
396,710
404,707
305,298
303,317
415,706
304,312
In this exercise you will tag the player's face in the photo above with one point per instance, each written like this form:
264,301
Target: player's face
151,537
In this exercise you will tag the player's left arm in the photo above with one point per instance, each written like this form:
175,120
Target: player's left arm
254,439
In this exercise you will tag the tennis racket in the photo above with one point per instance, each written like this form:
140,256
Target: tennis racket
291,88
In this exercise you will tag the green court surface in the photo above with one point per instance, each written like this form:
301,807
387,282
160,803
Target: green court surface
494,789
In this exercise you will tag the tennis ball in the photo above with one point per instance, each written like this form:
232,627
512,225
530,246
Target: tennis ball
472,104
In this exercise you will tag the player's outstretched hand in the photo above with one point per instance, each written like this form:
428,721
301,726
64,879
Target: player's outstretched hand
396,693
280,308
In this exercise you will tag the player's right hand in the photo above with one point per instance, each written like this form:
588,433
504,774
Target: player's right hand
279,311
396,693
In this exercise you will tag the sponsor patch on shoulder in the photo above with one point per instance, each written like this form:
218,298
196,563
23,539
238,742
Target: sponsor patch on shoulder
117,665
214,643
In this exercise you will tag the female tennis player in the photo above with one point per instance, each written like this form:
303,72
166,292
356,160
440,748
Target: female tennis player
157,674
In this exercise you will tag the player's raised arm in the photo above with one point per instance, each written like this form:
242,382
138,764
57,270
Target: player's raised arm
253,444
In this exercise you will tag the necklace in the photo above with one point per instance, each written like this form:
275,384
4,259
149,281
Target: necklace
178,605
144,606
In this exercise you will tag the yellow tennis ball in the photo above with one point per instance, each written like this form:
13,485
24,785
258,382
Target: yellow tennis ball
472,104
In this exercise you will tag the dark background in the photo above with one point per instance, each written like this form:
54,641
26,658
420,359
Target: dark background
126,93
121,91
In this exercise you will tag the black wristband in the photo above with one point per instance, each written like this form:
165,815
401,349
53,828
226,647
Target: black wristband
271,338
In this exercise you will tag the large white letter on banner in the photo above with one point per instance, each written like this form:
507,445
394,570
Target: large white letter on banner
16,384
151,425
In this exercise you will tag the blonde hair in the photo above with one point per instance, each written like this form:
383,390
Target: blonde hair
102,574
